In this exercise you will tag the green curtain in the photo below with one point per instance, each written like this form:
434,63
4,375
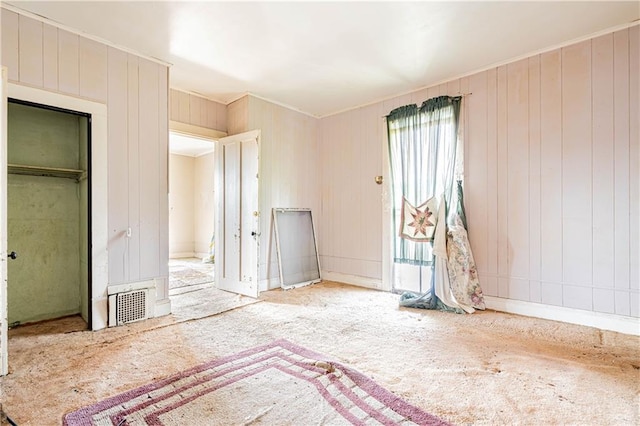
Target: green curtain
422,152
460,206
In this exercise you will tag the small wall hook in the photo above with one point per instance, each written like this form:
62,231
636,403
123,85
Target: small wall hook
378,180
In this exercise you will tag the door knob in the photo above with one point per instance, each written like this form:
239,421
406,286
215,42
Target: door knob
13,255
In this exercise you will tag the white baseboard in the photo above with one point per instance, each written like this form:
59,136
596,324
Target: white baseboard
621,324
367,282
162,308
122,288
182,255
618,323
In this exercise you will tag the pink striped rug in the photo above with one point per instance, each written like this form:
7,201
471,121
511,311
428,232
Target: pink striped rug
275,384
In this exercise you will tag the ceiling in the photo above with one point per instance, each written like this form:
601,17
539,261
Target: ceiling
326,57
189,146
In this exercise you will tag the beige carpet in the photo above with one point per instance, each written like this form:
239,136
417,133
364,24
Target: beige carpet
486,368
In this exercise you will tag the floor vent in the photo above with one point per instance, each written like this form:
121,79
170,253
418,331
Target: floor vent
132,306
129,307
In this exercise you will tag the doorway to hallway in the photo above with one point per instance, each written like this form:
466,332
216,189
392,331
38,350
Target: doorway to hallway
191,213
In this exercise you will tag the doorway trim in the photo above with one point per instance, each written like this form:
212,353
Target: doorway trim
99,202
195,131
85,140
4,325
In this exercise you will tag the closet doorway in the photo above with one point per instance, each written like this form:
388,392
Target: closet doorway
191,213
48,213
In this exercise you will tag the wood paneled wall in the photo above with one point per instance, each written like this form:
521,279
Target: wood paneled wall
238,116
289,170
196,110
561,133
551,177
135,91
350,224
289,167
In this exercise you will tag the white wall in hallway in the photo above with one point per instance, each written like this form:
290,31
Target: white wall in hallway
181,204
203,203
191,205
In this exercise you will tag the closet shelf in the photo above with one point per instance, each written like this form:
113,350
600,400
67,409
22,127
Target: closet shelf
21,169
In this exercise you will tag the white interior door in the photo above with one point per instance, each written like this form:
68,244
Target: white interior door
3,225
237,214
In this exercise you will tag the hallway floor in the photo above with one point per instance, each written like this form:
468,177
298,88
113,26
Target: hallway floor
484,368
188,274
